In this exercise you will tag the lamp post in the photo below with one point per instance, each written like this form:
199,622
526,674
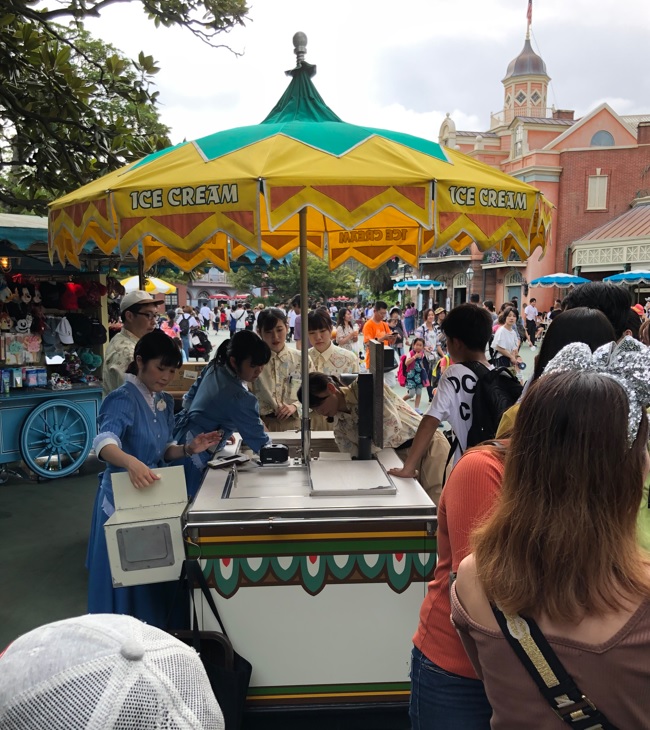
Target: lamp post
469,274
357,281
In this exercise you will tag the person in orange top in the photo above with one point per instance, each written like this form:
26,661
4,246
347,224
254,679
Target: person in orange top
376,328
445,690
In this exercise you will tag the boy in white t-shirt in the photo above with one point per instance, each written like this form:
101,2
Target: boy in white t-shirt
468,329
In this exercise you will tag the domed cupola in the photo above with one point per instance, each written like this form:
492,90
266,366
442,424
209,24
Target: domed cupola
527,63
525,85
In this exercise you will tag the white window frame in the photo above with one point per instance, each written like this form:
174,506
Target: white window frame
518,141
597,189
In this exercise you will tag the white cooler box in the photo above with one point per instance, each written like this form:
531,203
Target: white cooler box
144,535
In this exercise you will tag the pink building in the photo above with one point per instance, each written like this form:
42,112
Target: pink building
592,169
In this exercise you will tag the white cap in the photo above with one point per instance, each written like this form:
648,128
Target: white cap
104,672
64,331
138,297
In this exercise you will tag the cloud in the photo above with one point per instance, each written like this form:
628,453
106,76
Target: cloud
389,65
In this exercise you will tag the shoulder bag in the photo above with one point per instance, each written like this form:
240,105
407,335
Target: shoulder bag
229,673
552,679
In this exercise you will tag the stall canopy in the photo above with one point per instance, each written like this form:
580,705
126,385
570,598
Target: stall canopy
23,230
364,193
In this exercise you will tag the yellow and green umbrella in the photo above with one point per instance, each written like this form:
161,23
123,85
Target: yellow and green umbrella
152,285
367,194
303,179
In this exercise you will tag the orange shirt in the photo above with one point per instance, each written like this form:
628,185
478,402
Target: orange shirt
371,330
468,497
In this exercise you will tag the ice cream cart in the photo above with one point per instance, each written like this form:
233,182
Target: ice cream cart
320,593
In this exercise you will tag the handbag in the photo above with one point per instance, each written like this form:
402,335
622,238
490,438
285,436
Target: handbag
553,681
229,673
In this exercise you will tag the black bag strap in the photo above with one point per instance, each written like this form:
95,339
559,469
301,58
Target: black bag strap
195,575
553,681
455,444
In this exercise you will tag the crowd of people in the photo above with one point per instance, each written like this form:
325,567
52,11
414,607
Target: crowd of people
541,592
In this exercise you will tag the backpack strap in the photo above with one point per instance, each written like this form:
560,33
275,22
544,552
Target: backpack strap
455,444
476,367
547,671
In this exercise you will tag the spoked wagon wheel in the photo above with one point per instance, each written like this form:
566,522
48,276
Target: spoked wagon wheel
55,439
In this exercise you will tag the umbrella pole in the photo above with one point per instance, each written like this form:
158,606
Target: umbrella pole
141,279
304,335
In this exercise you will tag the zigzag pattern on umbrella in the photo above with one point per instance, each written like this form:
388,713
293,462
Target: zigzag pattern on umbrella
278,245
215,251
187,232
373,255
88,222
485,230
349,205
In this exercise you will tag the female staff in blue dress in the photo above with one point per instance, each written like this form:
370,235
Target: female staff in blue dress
135,435
220,399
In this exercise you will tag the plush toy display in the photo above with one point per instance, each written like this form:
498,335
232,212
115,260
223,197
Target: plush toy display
26,293
23,326
89,360
6,295
6,323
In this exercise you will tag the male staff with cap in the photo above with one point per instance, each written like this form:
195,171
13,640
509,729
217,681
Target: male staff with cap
139,310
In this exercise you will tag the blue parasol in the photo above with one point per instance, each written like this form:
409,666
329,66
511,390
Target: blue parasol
630,277
424,284
560,280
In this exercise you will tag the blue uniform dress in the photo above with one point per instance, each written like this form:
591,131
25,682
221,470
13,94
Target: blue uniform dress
142,429
218,400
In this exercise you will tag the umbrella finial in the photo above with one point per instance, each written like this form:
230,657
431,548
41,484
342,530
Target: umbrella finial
300,46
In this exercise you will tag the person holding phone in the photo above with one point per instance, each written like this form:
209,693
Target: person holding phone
377,328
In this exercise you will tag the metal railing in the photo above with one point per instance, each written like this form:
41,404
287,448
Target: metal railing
445,252
505,116
495,257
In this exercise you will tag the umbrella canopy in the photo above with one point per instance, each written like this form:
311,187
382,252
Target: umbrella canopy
365,193
630,277
414,284
152,285
559,280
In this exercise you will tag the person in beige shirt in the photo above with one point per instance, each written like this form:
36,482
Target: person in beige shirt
340,405
325,357
139,311
276,388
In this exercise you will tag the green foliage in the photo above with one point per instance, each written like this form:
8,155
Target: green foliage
377,281
73,108
285,280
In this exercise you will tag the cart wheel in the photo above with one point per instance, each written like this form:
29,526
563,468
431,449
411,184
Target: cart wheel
55,439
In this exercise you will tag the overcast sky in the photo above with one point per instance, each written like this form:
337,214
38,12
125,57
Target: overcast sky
397,65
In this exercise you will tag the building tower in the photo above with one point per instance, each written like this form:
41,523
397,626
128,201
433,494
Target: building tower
525,84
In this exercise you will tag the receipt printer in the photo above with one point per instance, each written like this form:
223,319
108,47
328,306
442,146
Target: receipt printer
274,454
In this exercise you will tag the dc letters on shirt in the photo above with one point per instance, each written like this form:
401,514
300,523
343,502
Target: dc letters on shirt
464,384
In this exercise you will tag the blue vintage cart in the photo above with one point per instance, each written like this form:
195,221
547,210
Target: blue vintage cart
51,431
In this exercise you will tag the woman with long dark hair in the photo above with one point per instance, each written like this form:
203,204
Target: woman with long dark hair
135,427
220,400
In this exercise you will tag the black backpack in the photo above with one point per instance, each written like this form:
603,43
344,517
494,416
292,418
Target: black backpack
496,391
184,324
